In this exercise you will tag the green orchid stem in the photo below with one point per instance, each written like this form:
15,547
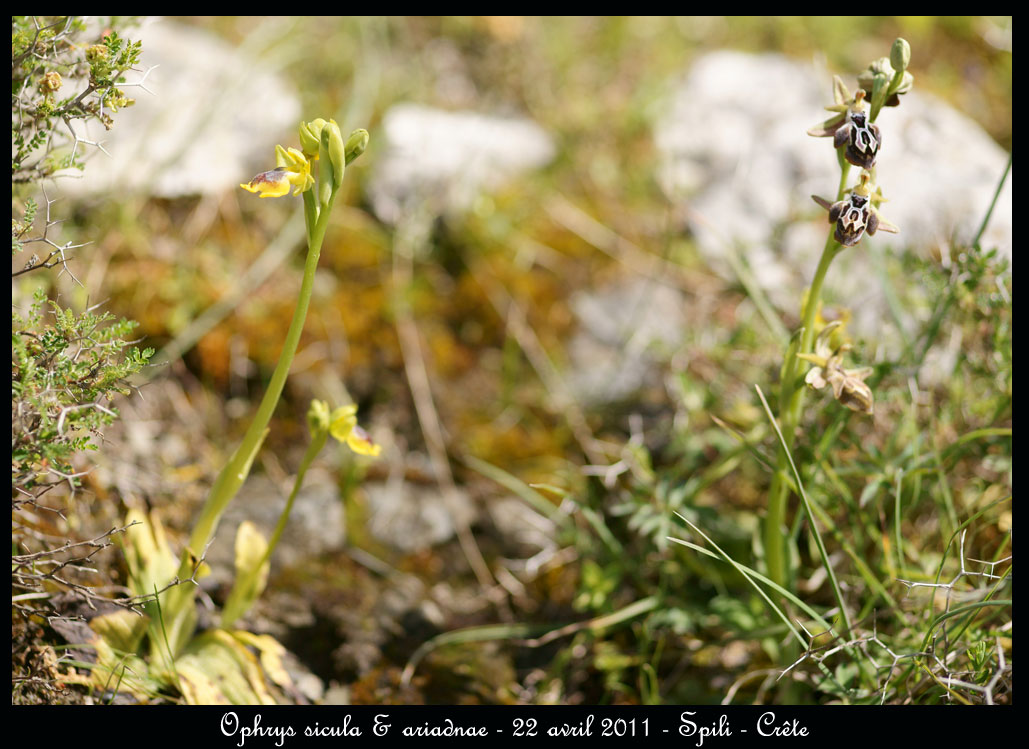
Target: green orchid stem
844,173
179,604
235,472
178,607
317,443
791,402
318,440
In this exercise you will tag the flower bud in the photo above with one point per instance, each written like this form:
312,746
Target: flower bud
900,54
311,136
880,71
356,143
50,83
336,152
885,80
318,417
326,171
906,82
97,52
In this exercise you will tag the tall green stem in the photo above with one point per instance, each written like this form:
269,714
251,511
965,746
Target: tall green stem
176,614
791,402
180,614
235,471
179,609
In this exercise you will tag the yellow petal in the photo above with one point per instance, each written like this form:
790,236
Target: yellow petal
271,184
361,442
342,422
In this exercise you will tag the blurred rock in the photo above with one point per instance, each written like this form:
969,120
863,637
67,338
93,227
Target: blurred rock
736,154
624,329
211,122
441,161
307,688
412,517
337,694
522,528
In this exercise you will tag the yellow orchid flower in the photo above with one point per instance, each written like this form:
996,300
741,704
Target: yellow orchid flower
344,427
292,168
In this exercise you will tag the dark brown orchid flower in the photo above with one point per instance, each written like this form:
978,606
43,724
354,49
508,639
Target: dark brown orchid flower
856,213
851,127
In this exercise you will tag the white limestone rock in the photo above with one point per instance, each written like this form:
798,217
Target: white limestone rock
441,161
625,329
412,517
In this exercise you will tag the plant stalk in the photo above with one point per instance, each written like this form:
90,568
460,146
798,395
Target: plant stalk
791,402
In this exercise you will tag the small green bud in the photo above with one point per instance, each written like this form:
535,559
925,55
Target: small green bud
318,417
881,70
906,82
900,55
311,136
326,172
96,52
356,143
336,152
